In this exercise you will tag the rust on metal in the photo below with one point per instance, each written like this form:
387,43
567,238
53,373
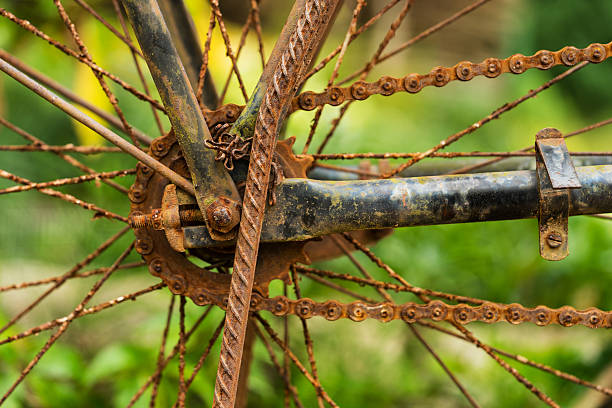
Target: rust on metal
210,179
463,71
556,176
552,152
270,116
153,214
307,208
436,310
68,94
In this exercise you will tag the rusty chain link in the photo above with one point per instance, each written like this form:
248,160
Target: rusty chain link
463,71
438,77
436,310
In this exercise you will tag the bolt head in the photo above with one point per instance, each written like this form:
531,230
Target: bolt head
554,240
221,216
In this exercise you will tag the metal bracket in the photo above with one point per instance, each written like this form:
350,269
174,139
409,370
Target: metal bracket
212,183
556,175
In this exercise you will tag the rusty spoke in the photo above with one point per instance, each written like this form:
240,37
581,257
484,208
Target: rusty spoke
413,329
68,181
385,285
99,212
523,360
443,155
161,353
204,66
350,34
307,339
360,30
167,360
90,310
55,279
494,115
60,149
528,148
381,291
258,33
369,66
71,96
467,333
181,366
110,27
72,272
286,368
206,352
228,47
243,35
36,142
37,32
279,370
112,137
514,372
196,369
136,52
424,34
336,287
85,53
64,325
360,172
285,348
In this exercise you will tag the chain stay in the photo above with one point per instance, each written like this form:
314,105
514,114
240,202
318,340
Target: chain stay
463,71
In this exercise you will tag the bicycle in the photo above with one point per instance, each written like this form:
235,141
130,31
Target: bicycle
193,197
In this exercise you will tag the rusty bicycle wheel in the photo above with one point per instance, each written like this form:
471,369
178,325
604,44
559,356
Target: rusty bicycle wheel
286,249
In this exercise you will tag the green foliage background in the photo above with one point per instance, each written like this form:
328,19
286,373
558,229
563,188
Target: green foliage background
103,359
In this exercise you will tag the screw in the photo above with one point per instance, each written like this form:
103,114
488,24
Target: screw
138,220
554,240
156,265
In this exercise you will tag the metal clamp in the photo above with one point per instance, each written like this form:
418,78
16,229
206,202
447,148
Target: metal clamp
556,175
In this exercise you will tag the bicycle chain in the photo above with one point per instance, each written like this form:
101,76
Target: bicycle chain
463,71
435,310
439,76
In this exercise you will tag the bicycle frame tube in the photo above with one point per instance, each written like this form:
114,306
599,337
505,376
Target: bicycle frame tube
210,178
185,39
307,209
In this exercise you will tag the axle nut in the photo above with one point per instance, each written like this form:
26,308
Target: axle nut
223,214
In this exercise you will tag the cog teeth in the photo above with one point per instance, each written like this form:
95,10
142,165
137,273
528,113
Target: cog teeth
291,165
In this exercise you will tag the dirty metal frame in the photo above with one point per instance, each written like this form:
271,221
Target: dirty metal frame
185,39
213,184
307,209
